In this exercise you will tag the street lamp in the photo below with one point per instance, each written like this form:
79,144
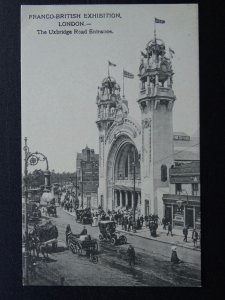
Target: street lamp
82,187
134,227
31,159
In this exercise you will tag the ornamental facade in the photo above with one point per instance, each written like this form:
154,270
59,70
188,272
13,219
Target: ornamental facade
139,152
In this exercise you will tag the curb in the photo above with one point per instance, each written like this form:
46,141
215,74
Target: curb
69,213
149,238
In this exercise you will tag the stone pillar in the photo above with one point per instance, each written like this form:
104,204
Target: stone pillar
120,198
139,198
126,198
132,199
115,197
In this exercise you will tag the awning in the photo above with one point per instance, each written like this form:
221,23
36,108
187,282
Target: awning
126,188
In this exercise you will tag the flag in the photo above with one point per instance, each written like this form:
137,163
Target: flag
111,64
171,53
127,74
159,21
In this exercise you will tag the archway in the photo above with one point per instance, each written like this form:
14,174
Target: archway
123,160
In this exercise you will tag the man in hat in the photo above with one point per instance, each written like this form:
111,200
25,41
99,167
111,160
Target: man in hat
185,233
195,237
131,255
170,229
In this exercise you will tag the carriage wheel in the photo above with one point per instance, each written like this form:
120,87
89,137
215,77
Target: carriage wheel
101,237
73,248
123,239
80,251
94,259
113,241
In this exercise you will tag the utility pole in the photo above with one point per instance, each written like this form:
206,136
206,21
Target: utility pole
134,229
82,187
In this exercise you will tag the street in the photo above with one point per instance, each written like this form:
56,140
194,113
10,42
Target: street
153,266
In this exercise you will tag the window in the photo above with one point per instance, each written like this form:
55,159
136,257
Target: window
178,188
194,189
126,167
163,173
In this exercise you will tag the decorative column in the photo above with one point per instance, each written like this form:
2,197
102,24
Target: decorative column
120,197
126,198
139,198
115,197
132,199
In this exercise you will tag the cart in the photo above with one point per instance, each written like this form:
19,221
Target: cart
79,244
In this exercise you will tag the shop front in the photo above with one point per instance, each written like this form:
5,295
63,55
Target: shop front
181,210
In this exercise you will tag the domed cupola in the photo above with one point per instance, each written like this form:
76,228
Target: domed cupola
155,68
107,98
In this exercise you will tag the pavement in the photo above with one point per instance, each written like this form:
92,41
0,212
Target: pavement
152,268
176,239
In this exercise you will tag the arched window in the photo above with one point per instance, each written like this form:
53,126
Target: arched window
163,173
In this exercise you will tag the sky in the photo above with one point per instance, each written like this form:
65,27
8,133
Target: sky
61,73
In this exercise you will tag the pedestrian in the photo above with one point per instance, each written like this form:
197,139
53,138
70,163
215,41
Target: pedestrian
185,233
164,222
68,231
131,255
142,220
174,257
138,223
169,229
195,237
130,223
125,223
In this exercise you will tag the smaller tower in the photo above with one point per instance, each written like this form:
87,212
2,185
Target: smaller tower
111,108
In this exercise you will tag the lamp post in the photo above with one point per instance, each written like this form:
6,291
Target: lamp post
134,226
30,159
82,187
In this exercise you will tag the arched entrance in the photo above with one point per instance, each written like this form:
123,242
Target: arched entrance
123,162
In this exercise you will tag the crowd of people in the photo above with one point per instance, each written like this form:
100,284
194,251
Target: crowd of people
125,219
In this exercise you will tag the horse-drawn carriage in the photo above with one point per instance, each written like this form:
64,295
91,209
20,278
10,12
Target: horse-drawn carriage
84,216
80,243
51,210
42,236
33,211
108,233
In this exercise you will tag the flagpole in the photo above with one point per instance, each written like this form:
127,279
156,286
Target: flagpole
108,69
123,84
154,31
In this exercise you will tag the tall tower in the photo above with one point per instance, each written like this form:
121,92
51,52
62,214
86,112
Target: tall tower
156,98
108,100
